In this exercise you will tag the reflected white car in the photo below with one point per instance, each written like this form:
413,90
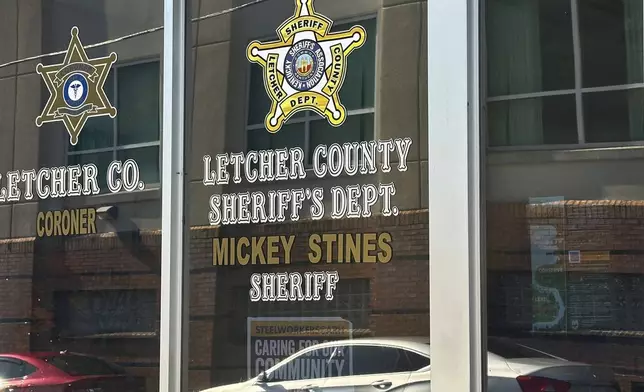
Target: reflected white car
403,365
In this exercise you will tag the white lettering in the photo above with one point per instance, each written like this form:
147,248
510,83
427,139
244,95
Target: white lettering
3,192
208,175
317,205
58,182
54,182
73,181
237,159
402,147
131,175
42,190
13,178
28,177
90,183
385,147
114,183
222,173
293,286
255,287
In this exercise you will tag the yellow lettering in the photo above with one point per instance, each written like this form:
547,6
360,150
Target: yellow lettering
220,251
40,227
287,242
272,250
242,258
65,222
353,248
384,243
315,254
57,219
74,228
49,223
330,239
368,247
91,220
83,221
257,250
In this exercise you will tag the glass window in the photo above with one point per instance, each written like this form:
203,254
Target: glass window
105,312
610,35
135,133
563,221
416,361
308,181
12,369
383,360
569,74
539,56
80,196
551,121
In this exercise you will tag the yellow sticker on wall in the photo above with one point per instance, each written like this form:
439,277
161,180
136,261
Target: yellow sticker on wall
306,67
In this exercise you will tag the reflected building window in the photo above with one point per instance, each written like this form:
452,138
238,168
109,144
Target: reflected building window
569,73
135,90
105,313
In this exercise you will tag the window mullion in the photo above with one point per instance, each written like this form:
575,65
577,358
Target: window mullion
581,132
114,122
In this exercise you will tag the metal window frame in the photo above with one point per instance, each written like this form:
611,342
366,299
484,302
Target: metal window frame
175,148
457,268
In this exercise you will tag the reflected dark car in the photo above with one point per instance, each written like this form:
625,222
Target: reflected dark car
64,372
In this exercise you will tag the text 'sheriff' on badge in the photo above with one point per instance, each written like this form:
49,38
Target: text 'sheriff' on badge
305,68
76,89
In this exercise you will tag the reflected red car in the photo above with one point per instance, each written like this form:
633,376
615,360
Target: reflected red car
64,372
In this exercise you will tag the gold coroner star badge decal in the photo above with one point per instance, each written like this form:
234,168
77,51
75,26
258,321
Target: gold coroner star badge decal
76,89
305,68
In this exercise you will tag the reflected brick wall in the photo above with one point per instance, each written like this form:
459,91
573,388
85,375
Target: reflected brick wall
616,227
610,238
16,270
399,290
33,270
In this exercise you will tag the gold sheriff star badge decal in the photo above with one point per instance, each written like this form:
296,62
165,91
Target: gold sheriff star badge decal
305,68
76,89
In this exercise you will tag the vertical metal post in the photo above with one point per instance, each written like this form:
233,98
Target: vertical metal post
174,234
456,274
